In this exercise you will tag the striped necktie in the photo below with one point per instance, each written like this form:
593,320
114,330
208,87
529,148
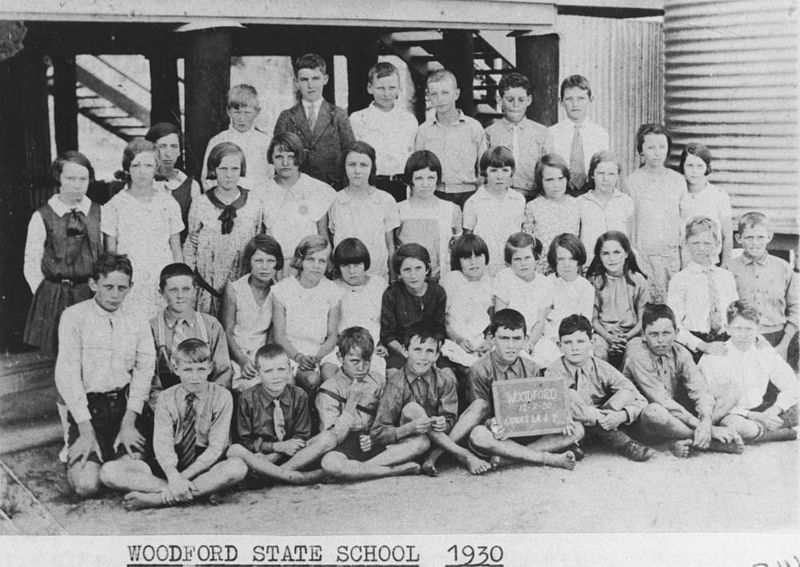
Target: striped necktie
186,448
577,164
279,421
714,312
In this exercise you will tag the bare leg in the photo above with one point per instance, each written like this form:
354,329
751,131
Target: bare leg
551,443
265,466
129,474
328,370
475,414
222,475
483,439
309,380
85,479
342,468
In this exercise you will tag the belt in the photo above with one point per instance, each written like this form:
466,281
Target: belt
113,395
457,187
395,177
68,282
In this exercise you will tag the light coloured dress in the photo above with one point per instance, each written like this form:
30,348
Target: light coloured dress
252,322
545,219
217,257
142,231
430,225
307,311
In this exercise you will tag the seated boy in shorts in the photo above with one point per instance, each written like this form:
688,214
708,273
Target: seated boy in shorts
505,363
274,425
420,403
603,400
357,456
103,371
766,408
683,409
190,435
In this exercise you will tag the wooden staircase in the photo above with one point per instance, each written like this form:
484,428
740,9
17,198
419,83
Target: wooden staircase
422,52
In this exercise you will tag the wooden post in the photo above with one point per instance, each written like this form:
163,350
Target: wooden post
65,103
458,56
164,100
208,79
24,179
362,53
537,58
329,90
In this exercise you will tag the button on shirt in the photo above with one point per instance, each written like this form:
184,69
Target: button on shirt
255,420
330,407
458,146
214,409
488,369
391,133
101,351
532,139
689,298
660,377
769,284
751,371
435,392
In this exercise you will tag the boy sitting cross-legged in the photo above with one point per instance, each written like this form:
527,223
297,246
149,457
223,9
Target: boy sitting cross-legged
603,400
504,363
274,425
420,402
191,432
683,409
354,392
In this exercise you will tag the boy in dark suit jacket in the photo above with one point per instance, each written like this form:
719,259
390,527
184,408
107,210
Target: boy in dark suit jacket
323,127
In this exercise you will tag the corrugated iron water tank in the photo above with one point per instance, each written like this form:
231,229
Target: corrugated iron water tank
731,82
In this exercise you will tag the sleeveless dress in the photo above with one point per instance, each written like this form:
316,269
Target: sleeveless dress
73,244
252,321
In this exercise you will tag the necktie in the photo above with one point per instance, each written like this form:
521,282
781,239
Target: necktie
76,223
312,117
418,387
279,420
186,447
714,314
577,165
179,333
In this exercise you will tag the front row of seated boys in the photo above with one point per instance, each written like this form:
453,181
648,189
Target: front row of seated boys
371,427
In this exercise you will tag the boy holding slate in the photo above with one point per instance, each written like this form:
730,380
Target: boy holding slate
602,399
504,363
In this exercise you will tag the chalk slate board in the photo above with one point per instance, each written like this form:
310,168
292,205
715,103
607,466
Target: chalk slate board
530,406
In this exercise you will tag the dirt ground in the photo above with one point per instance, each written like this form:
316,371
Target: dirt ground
753,492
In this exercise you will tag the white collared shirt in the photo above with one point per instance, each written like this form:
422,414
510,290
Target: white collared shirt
37,234
595,138
391,133
532,141
689,299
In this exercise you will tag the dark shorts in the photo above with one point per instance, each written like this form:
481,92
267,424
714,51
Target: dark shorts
351,447
106,410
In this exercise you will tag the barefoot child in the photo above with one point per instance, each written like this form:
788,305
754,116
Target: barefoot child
306,310
700,293
179,321
247,307
190,435
766,409
103,372
603,400
408,301
424,218
349,402
504,363
620,295
274,425
420,404
683,410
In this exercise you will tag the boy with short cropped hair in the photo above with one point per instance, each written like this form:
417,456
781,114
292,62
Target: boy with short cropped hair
457,140
577,139
767,404
603,400
103,372
323,127
243,109
508,332
387,127
179,321
274,425
525,138
348,402
700,293
191,433
682,408
420,401
769,284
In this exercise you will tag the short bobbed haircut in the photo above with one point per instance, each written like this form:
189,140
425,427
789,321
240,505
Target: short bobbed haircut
548,160
569,242
519,241
351,251
498,156
696,149
468,245
411,250
70,157
364,149
221,151
268,245
654,129
287,142
422,159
